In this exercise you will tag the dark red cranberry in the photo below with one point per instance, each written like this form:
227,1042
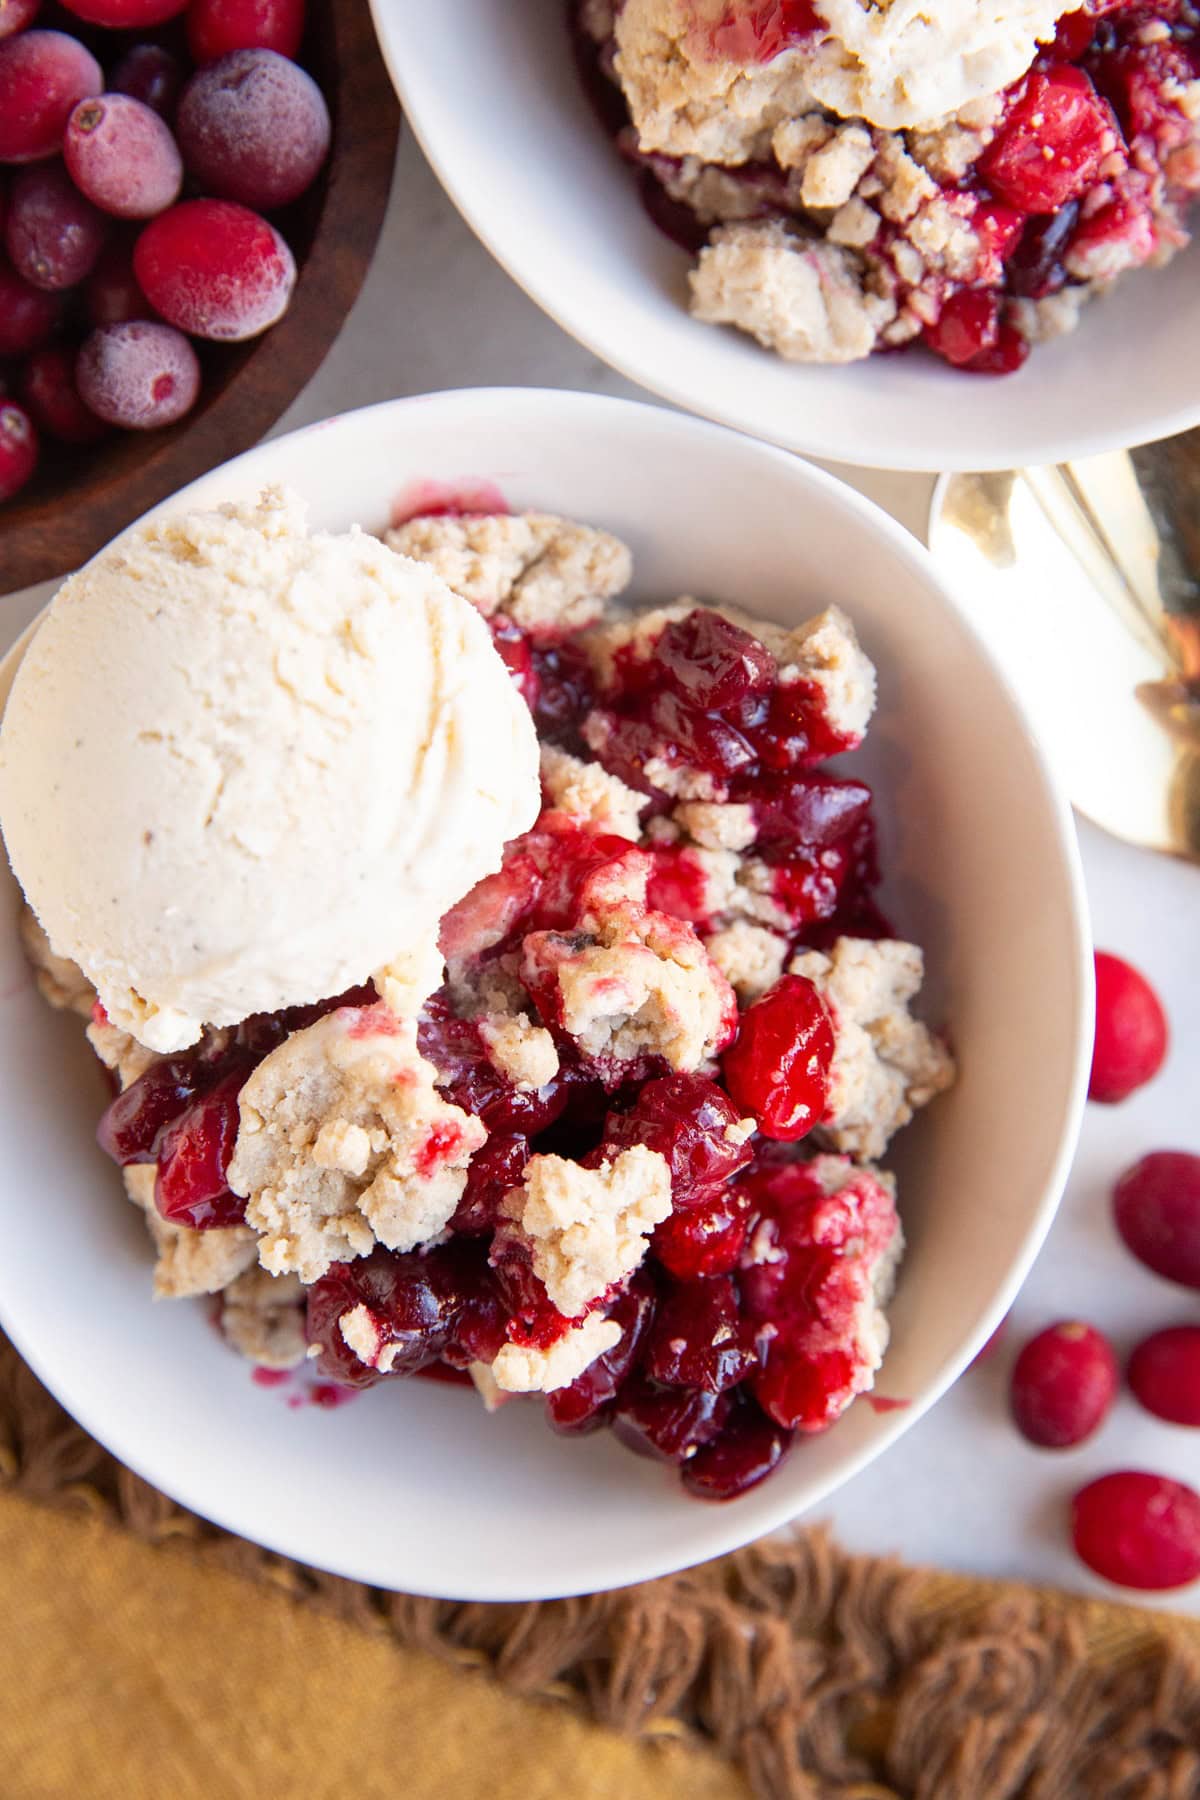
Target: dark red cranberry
1004,357
968,324
467,1078
1156,1204
564,693
1138,1530
748,1449
1051,143
1036,267
698,1339
816,810
415,1303
778,1066
493,1172
710,663
1073,35
19,449
130,1129
48,390
687,1119
707,1236
588,1403
150,74
1164,1374
194,1154
43,77
668,1423
1064,1383
1131,1031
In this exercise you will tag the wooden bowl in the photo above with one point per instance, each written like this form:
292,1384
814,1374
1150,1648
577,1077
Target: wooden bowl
78,502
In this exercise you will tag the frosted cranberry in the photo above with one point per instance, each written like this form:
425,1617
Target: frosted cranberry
1156,1204
711,663
797,732
253,127
588,1402
140,375
215,27
698,1339
150,74
18,449
778,1066
1063,1385
1050,146
669,1423
125,15
121,155
748,1449
28,315
968,323
215,270
1138,1530
1131,1031
48,390
194,1154
111,293
687,1119
493,1172
53,235
413,1303
1036,268
43,77
706,1237
818,810
17,15
1164,1374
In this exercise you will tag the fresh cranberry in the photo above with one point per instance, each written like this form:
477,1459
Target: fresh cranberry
493,1172
49,392
588,1402
253,127
121,155
1131,1031
778,1066
150,74
1156,1204
125,15
53,235
215,270
17,15
668,1423
43,77
1143,82
705,1237
215,27
1164,1374
968,324
689,1121
414,1302
18,448
194,1154
139,375
1138,1530
1063,1385
1052,142
28,315
698,1339
111,294
749,1447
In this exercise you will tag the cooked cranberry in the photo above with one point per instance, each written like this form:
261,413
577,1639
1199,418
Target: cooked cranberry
414,1302
517,656
1073,35
1004,357
48,390
808,884
998,229
215,27
688,1120
18,449
762,31
669,1423
1131,1031
817,810
1063,1385
564,689
493,1172
706,1236
797,732
588,1402
1164,1374
710,663
1156,1204
1143,82
679,883
699,1339
748,1448
466,1077
968,324
702,740
778,1066
130,1128
1051,143
1036,268
194,1154
1138,1530
43,77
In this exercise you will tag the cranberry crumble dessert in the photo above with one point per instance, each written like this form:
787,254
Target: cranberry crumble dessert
615,1142
858,175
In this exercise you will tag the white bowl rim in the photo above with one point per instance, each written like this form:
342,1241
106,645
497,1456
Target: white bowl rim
717,1529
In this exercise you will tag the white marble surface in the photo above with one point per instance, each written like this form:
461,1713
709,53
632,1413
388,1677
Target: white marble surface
962,1489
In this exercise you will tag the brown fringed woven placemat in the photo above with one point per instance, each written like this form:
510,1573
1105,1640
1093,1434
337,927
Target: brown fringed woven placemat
823,1676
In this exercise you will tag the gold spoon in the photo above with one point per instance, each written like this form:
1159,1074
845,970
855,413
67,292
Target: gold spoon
1085,579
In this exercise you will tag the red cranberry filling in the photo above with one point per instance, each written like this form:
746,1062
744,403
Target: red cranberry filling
778,1065
421,1307
194,1154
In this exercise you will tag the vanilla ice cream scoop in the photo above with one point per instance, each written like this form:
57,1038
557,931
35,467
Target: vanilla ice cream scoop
245,767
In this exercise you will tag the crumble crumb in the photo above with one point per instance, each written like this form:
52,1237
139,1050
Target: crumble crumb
549,575
520,1370
886,1063
801,297
750,957
262,1318
518,1049
190,1263
344,1141
587,1229
590,794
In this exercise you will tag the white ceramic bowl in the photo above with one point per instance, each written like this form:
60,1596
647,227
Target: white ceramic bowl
490,89
413,1486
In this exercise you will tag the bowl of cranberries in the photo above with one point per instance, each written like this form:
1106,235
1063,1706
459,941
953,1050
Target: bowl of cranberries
190,193
738,1118
1004,285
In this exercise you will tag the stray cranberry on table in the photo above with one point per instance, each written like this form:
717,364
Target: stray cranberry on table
1131,1031
1138,1530
1164,1374
1063,1385
1156,1206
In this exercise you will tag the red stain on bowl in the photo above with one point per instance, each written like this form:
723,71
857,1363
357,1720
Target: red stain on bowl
270,1378
883,1403
440,499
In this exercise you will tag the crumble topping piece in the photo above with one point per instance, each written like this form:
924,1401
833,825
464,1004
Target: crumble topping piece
521,1051
587,1229
262,1318
61,982
825,651
344,1140
750,957
360,1332
190,1263
717,826
886,1063
518,1369
801,297
549,575
590,794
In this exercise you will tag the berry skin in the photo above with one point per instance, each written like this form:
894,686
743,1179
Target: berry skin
125,15
150,74
215,270
121,155
140,375
1131,1031
17,15
18,448
53,235
253,127
49,393
28,315
1138,1530
111,293
215,27
1063,1385
1156,1205
43,77
1164,1374
778,1066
